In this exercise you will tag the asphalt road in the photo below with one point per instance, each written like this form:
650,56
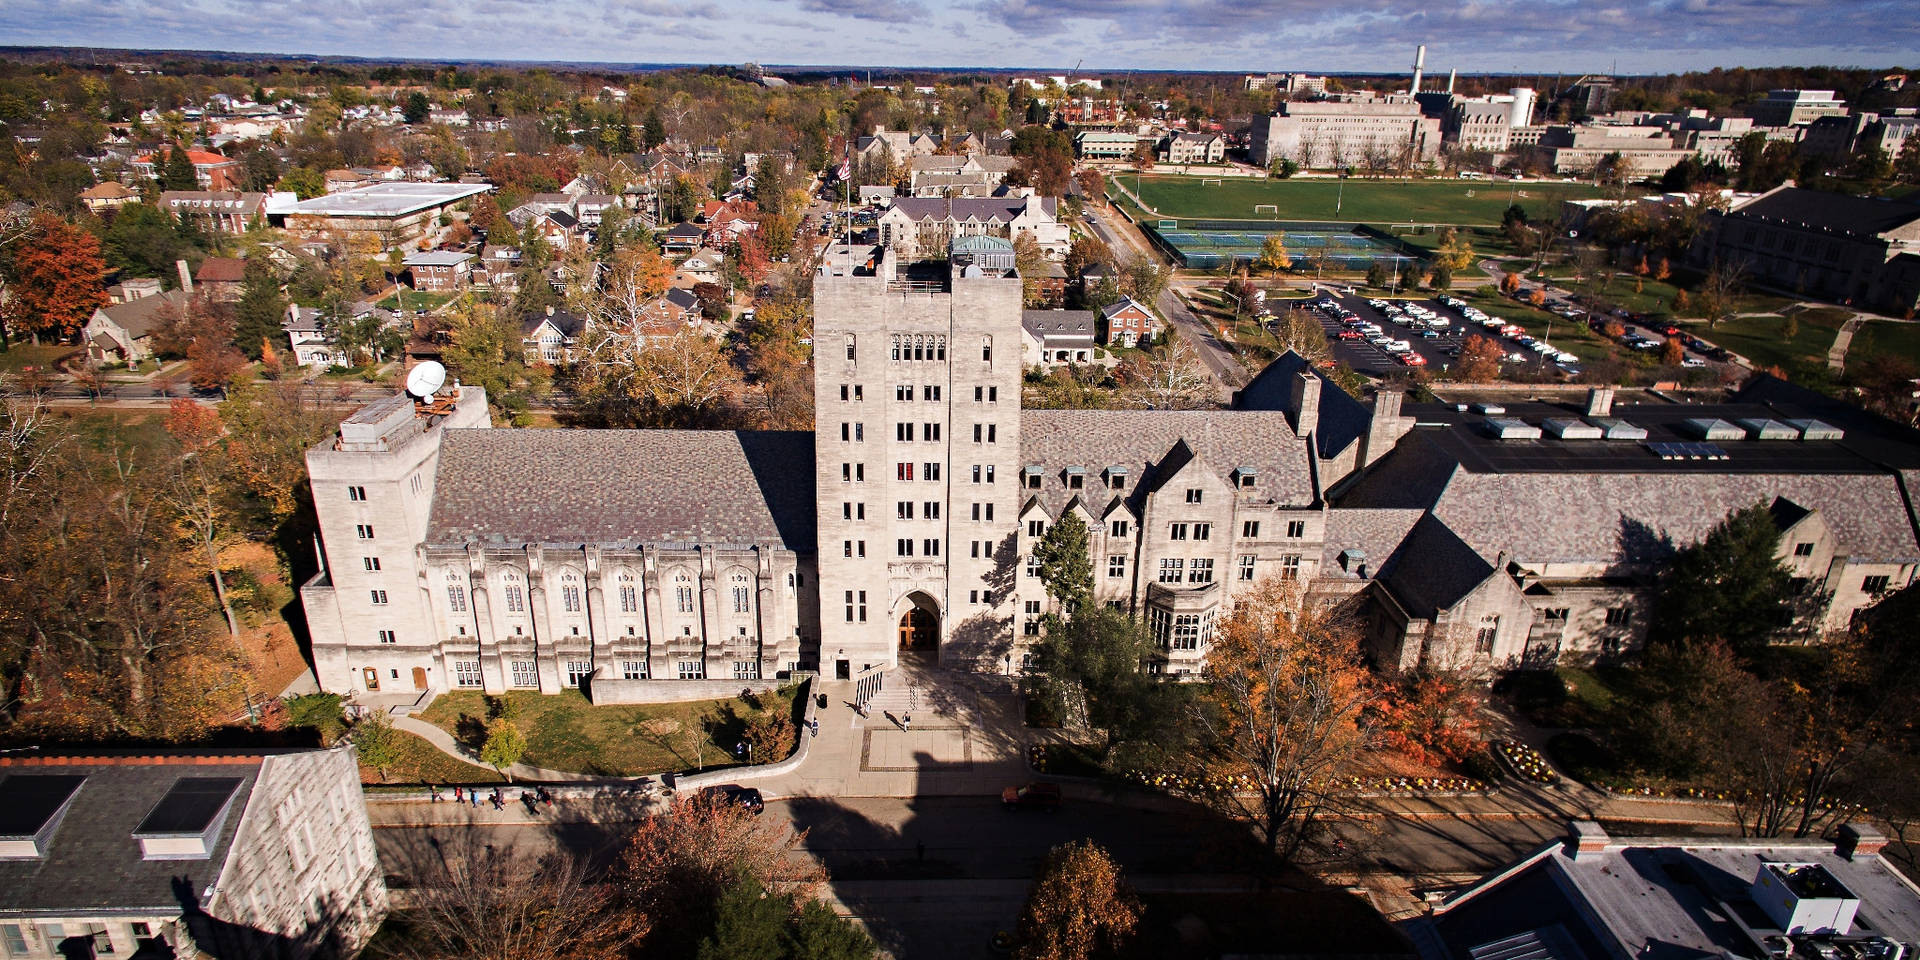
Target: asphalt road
1225,370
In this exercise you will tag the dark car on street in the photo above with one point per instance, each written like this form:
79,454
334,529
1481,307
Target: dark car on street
733,795
1033,796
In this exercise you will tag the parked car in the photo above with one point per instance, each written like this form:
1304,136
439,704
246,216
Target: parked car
1034,796
1413,360
1348,335
747,798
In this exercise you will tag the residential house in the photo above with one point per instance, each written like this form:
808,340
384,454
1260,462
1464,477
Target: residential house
1592,896
1127,323
703,266
213,171
553,337
187,853
591,206
133,288
440,271
559,228
107,196
1053,285
217,211
123,332
682,238
221,278
311,346
1051,338
658,168
728,220
498,268
673,311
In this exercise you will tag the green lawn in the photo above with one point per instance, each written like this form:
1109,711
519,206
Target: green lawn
1362,201
420,762
415,301
1763,340
565,732
1881,338
18,357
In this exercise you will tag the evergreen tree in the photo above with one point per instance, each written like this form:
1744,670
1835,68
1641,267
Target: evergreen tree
749,924
1730,586
256,318
820,934
653,131
178,172
1065,569
416,109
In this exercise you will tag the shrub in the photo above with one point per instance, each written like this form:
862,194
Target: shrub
319,712
773,736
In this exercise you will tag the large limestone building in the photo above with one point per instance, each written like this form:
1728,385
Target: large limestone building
656,565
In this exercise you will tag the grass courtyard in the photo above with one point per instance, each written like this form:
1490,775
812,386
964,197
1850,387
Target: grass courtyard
1360,201
565,732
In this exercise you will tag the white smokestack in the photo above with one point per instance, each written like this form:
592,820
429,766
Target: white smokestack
1522,109
1451,74
1419,65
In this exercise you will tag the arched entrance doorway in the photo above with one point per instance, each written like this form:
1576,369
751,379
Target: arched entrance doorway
920,627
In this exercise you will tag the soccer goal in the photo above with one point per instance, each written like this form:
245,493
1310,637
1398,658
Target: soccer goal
1272,208
1209,181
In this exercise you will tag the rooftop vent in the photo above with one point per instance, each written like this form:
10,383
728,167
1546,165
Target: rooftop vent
1614,428
1816,430
1489,409
186,822
1511,428
31,806
1711,428
1804,898
1762,428
1567,428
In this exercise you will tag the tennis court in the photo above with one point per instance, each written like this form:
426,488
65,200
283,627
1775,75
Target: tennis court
1207,249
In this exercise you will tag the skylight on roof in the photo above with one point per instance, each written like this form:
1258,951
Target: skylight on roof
1687,451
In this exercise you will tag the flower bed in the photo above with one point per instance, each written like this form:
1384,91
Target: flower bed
1060,759
1526,761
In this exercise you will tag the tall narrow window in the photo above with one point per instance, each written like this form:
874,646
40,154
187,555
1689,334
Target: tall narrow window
570,597
986,349
457,599
516,598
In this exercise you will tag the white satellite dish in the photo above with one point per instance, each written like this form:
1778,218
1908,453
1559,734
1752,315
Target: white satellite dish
426,378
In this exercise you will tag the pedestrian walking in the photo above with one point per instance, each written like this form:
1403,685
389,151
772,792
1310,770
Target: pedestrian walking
434,792
906,723
457,796
473,796
813,724
494,798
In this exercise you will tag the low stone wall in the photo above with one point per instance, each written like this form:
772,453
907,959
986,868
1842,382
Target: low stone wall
607,690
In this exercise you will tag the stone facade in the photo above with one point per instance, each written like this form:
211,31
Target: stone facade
1344,133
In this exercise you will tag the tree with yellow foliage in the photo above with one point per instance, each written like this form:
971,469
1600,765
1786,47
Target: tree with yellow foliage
1079,907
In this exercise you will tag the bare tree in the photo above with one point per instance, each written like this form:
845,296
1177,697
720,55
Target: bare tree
475,901
1171,377
27,448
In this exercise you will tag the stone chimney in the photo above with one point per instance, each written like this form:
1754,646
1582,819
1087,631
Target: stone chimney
186,275
1386,426
1600,402
1859,841
1585,840
549,310
1306,403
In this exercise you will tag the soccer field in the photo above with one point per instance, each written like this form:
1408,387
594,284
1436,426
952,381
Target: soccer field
1365,201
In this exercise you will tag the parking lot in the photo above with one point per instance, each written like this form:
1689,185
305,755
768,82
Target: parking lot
1378,337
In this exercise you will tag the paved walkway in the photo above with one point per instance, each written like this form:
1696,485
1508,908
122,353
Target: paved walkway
1837,354
444,742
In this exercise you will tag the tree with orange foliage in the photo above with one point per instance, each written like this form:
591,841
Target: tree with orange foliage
1538,297
1432,716
1510,283
1079,907
53,280
1672,352
1479,360
1285,713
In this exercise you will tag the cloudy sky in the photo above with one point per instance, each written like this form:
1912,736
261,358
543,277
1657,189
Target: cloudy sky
1570,36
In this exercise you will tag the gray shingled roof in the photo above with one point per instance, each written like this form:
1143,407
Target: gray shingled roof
1343,419
93,862
964,208
1141,440
1433,569
1057,323
639,486
1823,210
1374,532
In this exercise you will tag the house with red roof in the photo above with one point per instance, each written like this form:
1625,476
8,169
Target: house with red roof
215,172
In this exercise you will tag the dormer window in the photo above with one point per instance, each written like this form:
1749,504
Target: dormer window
1030,477
1116,478
1076,478
1243,478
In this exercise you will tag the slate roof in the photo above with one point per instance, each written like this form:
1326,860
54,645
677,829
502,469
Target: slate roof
1343,419
142,316
1433,569
1375,532
93,863
627,486
683,298
569,324
961,209
1144,441
1659,899
1058,323
1821,210
1616,502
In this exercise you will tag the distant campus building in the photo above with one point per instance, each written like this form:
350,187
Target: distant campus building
1862,251
1346,132
656,565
